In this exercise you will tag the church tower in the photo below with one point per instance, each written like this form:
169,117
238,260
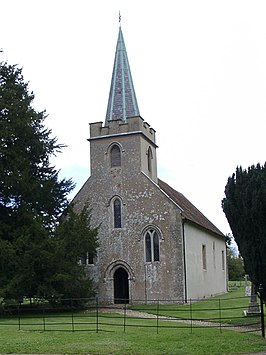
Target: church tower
123,123
151,237
125,198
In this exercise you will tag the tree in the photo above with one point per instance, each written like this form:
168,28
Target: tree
245,208
235,265
32,197
73,238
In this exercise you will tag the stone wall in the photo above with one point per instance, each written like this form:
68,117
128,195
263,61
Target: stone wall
143,205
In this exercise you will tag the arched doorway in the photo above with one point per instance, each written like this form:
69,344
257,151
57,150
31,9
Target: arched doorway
121,289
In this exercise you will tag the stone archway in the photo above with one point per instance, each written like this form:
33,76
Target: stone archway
121,286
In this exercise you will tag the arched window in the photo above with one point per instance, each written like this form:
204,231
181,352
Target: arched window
117,213
87,259
115,156
148,247
149,158
152,246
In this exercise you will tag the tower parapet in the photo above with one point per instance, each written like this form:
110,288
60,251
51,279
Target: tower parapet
133,125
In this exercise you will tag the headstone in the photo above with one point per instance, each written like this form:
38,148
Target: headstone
253,307
248,291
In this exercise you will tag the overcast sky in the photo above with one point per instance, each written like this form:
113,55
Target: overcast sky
198,67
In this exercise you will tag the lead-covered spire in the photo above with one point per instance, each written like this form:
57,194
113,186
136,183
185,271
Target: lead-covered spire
122,101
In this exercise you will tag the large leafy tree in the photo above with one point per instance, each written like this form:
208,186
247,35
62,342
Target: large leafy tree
236,270
32,197
245,208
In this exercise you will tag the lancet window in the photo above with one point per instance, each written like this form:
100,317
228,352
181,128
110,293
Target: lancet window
117,208
149,159
115,154
152,248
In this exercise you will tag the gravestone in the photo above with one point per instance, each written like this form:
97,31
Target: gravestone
253,307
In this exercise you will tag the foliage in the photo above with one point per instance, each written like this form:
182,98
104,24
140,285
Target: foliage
26,175
235,266
228,240
245,208
74,236
32,197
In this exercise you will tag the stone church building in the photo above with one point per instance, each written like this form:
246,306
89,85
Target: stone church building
153,242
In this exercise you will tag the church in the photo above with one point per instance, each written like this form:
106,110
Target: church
154,244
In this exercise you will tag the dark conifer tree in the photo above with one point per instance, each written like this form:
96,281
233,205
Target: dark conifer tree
245,208
32,197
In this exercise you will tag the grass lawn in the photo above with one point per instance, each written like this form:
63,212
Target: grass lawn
48,335
227,308
135,341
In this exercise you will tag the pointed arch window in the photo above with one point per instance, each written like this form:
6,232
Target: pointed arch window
149,158
152,248
115,154
117,213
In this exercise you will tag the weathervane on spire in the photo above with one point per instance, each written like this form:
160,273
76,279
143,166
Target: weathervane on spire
119,19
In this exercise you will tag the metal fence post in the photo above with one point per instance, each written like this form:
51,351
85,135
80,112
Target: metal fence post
72,315
191,319
261,292
220,315
157,320
97,315
18,316
43,318
125,313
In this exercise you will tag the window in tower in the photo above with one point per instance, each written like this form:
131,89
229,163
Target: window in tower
149,158
115,156
117,213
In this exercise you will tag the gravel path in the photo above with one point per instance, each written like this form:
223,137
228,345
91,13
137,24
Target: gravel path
137,314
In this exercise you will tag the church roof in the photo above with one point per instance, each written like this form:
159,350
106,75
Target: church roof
122,101
190,212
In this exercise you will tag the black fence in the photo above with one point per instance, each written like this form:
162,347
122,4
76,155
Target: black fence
96,316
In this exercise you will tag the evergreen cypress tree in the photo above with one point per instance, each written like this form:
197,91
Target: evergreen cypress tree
245,208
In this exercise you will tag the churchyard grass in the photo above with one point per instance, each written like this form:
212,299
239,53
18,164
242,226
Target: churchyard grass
227,308
140,336
134,341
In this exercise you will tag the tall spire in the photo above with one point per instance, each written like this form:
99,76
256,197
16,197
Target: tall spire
122,101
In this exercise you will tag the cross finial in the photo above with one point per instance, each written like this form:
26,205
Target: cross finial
119,18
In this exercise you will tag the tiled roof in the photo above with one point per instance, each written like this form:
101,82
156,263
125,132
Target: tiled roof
190,212
122,101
